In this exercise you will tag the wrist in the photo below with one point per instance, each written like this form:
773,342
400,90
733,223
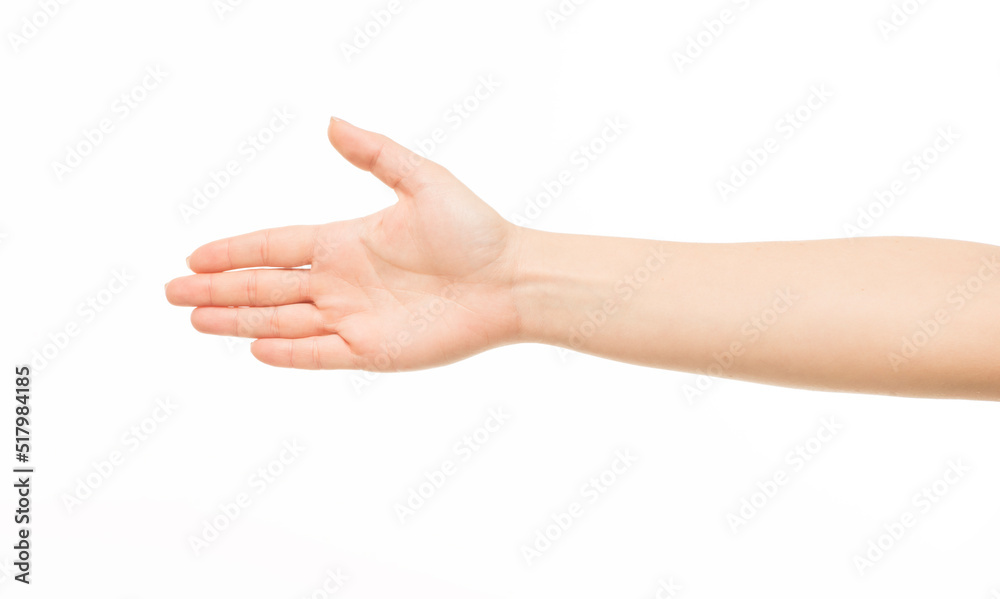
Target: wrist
552,284
586,293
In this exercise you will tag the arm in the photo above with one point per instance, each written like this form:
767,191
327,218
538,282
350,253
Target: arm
439,276
891,315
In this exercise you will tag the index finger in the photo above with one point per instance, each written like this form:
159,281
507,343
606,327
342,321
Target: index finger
284,246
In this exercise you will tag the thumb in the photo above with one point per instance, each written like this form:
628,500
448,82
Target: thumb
393,164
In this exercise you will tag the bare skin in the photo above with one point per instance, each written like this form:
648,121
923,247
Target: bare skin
440,276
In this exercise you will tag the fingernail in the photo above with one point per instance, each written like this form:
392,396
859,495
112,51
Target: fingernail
188,261
334,119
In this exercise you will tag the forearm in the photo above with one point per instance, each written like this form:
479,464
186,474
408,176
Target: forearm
892,315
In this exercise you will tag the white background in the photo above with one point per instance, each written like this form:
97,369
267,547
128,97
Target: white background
666,518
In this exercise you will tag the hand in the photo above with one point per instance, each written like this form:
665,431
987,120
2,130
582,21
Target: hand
424,282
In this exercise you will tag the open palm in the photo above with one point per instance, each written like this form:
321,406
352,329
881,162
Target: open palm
421,283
